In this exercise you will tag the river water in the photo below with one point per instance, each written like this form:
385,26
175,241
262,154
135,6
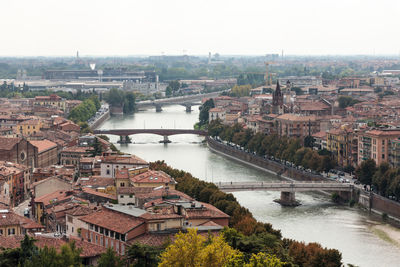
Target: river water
316,220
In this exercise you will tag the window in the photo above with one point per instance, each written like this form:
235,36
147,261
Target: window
91,237
130,196
122,184
117,236
106,245
122,249
97,241
1,231
383,142
122,237
11,231
96,228
90,226
112,234
105,232
72,229
101,241
112,243
108,172
383,156
101,230
122,196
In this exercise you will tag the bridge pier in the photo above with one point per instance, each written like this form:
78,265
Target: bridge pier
288,199
165,140
158,108
188,108
124,139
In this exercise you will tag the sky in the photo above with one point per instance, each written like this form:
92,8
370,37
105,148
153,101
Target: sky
176,27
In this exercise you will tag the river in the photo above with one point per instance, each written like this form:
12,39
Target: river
316,220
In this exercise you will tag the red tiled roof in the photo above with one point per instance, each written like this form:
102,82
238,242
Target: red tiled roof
43,145
208,211
115,221
96,193
152,176
8,143
56,196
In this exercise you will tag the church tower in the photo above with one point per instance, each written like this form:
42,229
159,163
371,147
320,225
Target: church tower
277,100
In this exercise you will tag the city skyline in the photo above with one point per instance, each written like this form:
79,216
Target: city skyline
96,28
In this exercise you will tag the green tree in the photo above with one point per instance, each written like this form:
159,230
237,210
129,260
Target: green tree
204,109
143,255
366,171
110,259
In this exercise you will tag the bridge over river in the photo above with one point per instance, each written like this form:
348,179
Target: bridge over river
287,189
124,133
186,101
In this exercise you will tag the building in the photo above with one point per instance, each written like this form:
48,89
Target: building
293,125
18,150
14,224
301,81
216,114
46,152
29,127
72,155
277,101
16,182
375,144
152,178
110,164
52,100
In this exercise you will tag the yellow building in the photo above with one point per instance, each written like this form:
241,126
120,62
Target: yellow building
29,127
51,100
340,143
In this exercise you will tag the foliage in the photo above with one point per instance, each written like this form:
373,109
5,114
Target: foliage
97,148
143,255
313,254
84,111
288,149
172,88
366,171
240,90
346,101
254,79
29,255
204,110
119,98
109,259
192,250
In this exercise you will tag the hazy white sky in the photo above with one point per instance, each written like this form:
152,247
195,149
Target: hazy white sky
131,27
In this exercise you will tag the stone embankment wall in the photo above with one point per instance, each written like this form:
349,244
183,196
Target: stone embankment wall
261,163
105,116
379,204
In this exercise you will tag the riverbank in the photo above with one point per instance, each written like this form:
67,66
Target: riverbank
100,118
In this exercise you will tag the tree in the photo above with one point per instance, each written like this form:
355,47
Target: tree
366,171
172,88
204,109
143,255
109,259
346,101
192,249
129,103
97,148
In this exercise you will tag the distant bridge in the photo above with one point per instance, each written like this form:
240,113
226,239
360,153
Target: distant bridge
124,133
287,189
187,101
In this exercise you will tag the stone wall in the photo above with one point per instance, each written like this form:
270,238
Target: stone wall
385,205
266,164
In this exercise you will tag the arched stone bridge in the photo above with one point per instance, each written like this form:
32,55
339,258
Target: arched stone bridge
124,133
287,189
